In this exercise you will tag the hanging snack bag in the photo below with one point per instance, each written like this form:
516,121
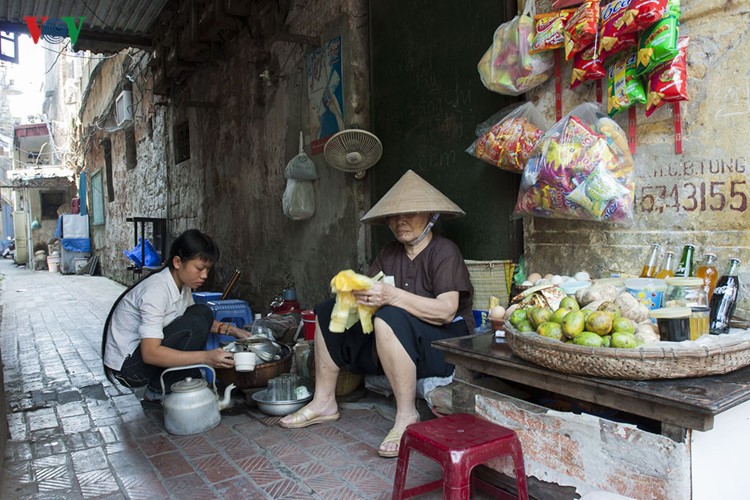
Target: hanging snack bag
625,87
658,43
668,82
507,138
580,169
581,28
614,35
586,66
548,30
508,67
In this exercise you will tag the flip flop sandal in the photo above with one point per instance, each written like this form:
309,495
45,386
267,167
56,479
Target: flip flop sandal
393,436
306,417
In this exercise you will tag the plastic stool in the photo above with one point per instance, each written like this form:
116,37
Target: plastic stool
234,311
205,297
458,443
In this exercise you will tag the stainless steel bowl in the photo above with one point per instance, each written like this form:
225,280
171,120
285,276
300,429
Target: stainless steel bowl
278,408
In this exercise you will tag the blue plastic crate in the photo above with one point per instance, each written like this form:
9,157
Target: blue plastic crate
205,297
233,311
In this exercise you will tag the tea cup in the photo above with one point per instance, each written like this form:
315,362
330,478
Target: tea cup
244,361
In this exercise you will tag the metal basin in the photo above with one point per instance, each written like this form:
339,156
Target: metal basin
278,408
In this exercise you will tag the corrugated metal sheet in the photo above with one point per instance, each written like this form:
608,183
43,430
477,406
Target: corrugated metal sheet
128,21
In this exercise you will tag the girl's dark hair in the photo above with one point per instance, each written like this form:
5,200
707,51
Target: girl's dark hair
193,244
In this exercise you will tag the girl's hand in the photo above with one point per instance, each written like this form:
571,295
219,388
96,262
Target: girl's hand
219,358
239,333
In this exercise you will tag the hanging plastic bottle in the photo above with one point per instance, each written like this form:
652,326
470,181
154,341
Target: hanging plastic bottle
668,270
686,268
724,299
708,273
650,269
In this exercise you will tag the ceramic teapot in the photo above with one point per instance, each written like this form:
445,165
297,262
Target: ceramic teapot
192,407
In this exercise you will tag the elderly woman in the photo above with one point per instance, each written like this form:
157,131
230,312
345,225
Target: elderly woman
429,299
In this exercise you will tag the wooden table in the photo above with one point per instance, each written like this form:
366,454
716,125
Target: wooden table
688,403
698,451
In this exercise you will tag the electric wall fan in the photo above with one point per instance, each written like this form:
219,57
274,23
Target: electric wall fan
353,150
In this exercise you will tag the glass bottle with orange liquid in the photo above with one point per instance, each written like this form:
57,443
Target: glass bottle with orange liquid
668,269
650,269
708,273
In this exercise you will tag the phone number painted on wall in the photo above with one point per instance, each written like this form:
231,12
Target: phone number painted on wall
695,187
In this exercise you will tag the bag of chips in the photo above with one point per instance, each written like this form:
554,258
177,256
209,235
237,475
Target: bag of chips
658,43
508,67
581,168
614,35
586,66
668,82
625,87
507,138
581,28
548,30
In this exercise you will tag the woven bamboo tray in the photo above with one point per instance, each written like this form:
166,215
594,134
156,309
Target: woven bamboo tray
642,363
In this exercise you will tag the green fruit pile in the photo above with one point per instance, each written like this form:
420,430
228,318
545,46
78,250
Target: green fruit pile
604,327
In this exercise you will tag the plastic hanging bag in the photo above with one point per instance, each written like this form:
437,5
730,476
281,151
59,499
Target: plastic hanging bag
506,139
508,67
150,255
580,169
301,167
298,201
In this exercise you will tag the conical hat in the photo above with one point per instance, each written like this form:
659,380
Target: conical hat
410,195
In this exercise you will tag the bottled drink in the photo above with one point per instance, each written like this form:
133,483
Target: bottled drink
686,269
259,328
708,273
668,269
724,299
649,270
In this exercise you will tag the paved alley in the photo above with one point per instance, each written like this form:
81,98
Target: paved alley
74,435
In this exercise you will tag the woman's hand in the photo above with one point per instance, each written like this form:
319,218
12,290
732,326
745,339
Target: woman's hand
378,295
219,358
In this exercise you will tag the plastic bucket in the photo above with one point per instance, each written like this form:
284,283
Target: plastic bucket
648,291
53,264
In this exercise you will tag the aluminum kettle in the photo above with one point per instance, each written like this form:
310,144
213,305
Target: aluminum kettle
192,407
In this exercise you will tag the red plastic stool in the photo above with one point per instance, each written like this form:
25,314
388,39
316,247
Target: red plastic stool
458,443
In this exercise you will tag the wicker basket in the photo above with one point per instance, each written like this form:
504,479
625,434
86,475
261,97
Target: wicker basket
490,277
643,363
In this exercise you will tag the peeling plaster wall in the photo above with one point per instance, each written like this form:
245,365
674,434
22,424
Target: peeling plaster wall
699,197
243,130
590,453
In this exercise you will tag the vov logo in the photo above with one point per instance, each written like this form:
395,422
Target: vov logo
54,30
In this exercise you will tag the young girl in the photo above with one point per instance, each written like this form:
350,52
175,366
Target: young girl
155,323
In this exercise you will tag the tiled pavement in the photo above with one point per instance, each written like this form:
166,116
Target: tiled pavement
74,435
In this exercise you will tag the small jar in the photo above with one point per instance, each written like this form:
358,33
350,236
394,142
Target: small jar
685,292
689,292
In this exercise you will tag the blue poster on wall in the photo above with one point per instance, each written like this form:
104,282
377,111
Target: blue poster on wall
325,91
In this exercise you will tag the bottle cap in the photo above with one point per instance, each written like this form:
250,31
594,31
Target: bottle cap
670,313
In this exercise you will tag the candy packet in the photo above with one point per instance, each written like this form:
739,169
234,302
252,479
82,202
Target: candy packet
508,67
668,82
658,43
581,168
581,28
507,138
625,87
